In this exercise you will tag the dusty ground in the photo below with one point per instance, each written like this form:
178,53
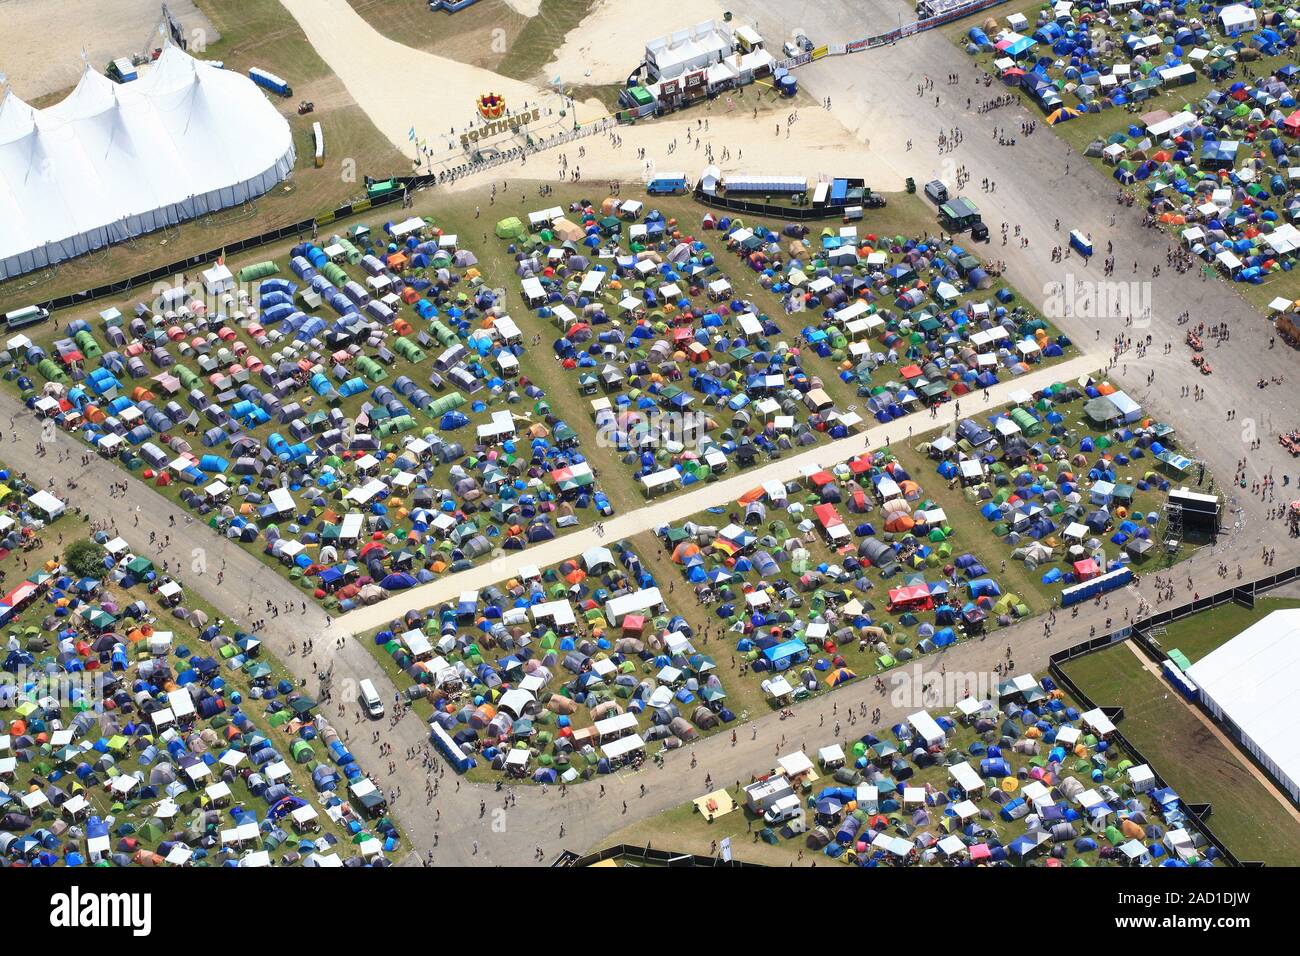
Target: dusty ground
610,42
365,60
43,39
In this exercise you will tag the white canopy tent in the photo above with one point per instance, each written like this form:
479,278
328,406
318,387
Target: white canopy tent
110,162
1250,683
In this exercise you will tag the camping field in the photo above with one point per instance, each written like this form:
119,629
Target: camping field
1148,500
816,570
567,669
155,817
799,340
467,215
685,829
1079,133
1253,822
811,581
416,364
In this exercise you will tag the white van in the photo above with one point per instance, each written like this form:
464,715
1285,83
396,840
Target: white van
787,808
27,315
369,698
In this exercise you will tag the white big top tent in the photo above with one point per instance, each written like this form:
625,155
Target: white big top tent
110,162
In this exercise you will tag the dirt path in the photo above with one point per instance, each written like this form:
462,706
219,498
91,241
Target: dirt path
378,72
610,41
368,64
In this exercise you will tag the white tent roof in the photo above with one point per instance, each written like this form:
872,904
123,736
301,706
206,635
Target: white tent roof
113,161
1254,681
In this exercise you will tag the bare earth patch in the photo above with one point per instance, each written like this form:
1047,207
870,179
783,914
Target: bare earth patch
43,39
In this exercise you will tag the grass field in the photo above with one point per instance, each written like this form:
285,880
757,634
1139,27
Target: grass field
492,34
1248,818
253,33
1201,633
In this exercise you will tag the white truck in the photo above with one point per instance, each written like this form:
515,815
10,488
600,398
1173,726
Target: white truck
787,808
798,43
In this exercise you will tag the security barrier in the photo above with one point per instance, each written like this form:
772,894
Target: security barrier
1140,634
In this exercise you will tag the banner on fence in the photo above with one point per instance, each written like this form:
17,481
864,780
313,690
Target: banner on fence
917,26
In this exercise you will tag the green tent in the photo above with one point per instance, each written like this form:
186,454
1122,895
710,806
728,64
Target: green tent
512,229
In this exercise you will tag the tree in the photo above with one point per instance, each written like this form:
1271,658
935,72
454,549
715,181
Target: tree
85,558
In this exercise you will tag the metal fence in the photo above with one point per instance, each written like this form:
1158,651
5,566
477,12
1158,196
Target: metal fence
1140,633
406,185
892,36
120,286
646,855
793,213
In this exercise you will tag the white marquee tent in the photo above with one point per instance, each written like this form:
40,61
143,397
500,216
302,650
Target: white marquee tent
1253,682
111,161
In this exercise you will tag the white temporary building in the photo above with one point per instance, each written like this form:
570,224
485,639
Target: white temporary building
1097,721
638,602
1252,683
1174,125
1237,18
623,746
692,48
111,162
964,775
927,729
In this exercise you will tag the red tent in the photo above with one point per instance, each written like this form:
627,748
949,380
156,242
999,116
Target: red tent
912,597
827,516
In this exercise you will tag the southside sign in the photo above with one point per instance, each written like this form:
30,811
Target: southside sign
507,125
